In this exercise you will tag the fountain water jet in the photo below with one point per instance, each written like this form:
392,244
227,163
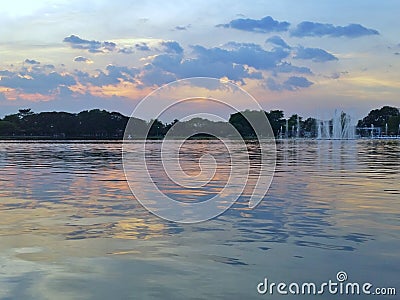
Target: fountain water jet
298,127
338,128
287,129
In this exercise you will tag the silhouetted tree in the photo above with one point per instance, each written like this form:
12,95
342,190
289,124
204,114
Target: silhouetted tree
379,117
157,129
309,127
275,118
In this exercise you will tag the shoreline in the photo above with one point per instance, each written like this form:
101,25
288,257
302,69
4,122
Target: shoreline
119,139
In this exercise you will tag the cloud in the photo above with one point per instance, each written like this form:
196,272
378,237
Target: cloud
180,28
3,97
198,67
99,79
307,28
126,50
314,54
243,53
92,46
236,61
6,73
295,82
36,82
214,62
110,46
277,41
264,25
32,62
336,75
111,76
142,46
78,43
172,47
49,66
167,62
122,71
39,83
273,85
286,67
236,45
156,76
82,59
291,84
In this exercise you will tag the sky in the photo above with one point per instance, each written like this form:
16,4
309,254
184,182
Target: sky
306,57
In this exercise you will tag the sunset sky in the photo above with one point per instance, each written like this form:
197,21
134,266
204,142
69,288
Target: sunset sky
304,57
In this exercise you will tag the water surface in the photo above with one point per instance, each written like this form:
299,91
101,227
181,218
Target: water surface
71,229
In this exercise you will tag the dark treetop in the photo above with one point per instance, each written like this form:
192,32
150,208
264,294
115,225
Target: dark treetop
101,124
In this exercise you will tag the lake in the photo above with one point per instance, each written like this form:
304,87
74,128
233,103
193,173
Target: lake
70,227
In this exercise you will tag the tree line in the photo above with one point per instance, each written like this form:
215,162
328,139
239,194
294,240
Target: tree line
101,124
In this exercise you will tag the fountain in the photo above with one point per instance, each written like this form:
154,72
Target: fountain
287,129
298,127
319,129
326,130
339,128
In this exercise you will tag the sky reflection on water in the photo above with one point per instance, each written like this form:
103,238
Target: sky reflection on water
70,228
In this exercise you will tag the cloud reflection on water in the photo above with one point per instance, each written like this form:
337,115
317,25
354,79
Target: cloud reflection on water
67,202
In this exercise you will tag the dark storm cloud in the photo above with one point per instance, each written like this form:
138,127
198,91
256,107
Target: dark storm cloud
308,28
264,25
314,54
